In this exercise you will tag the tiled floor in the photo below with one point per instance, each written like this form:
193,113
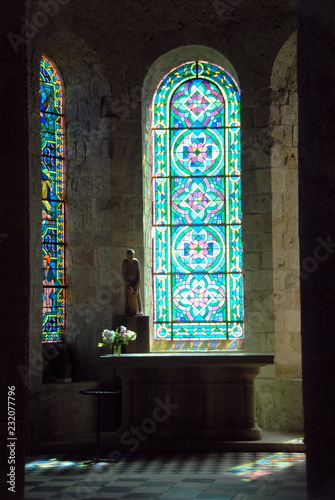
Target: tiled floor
205,476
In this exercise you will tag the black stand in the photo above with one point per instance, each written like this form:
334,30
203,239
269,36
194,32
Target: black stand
98,393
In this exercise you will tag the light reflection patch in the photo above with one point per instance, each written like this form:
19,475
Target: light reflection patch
53,463
268,465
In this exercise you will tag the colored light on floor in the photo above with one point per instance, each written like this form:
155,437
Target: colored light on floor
268,465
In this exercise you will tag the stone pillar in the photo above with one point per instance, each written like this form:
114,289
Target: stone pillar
14,249
140,324
316,91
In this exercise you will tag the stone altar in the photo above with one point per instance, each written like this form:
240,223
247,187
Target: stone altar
188,396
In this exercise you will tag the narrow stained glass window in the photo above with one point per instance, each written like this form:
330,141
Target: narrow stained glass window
52,176
197,236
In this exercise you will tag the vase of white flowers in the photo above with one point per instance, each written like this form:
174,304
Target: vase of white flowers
115,339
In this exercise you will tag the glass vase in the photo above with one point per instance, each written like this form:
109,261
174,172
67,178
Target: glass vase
117,349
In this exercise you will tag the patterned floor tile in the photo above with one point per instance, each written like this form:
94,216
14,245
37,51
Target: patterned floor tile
198,476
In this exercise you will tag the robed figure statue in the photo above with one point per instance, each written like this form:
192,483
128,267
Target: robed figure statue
132,278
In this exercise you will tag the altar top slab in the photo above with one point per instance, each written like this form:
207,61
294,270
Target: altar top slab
165,359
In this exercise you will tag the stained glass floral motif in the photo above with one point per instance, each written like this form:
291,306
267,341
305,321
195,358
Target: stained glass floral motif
52,177
197,236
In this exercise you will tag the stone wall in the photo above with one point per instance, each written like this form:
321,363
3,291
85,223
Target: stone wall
284,122
110,55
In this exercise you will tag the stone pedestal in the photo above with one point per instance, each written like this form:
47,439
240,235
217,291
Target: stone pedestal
140,324
188,396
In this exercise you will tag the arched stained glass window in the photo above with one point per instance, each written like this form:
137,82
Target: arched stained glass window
197,236
52,176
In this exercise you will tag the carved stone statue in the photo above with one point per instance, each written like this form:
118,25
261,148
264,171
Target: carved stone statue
132,278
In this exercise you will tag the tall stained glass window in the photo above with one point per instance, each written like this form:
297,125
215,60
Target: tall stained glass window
197,237
52,177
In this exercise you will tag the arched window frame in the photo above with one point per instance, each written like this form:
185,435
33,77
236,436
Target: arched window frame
53,201
226,331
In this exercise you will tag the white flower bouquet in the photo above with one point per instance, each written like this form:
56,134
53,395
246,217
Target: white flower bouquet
116,338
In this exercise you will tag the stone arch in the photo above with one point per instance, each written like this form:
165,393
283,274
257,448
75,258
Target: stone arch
88,126
284,178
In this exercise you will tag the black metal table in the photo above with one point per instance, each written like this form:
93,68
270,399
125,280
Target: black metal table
98,393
